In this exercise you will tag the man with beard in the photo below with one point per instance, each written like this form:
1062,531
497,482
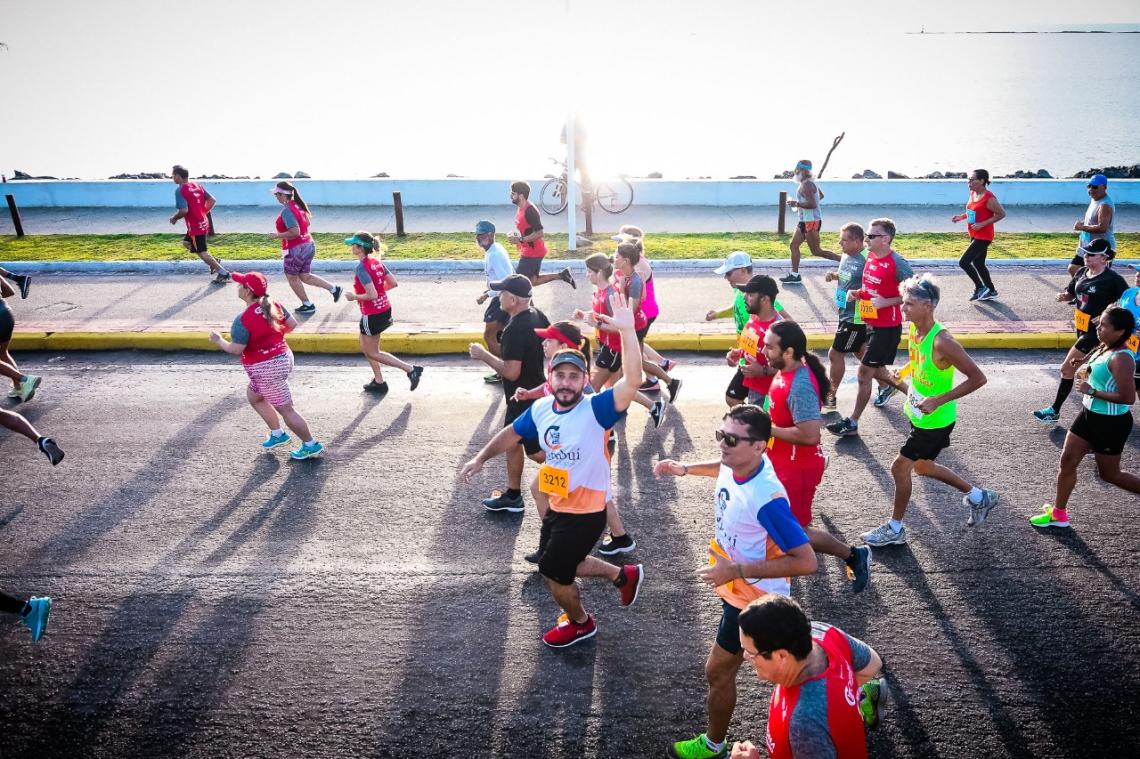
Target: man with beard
529,240
576,476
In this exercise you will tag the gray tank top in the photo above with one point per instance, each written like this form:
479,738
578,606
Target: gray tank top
1090,218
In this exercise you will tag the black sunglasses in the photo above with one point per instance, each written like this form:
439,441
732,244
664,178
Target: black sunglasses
872,237
732,440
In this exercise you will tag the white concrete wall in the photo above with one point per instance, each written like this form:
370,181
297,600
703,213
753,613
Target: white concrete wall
485,192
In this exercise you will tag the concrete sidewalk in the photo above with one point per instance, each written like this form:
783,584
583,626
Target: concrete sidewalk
437,313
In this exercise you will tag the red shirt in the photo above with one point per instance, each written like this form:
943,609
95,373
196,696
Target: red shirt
537,248
265,342
302,221
981,213
881,278
751,341
373,270
601,306
197,222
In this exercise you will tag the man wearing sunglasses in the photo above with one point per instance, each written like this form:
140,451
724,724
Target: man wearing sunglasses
1099,222
576,475
758,546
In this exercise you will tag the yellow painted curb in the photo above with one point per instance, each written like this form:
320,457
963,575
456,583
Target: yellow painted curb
425,343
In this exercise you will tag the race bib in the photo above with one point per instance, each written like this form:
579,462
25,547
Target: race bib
749,341
1081,321
913,398
867,310
840,298
1134,343
971,216
554,481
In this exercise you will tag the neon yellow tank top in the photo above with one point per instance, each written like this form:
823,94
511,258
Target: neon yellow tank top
928,380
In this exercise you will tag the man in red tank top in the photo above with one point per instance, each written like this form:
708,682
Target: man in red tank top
193,203
530,240
827,687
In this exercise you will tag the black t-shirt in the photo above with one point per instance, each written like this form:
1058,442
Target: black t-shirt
520,343
1095,294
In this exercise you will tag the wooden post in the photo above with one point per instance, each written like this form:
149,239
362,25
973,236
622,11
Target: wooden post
210,218
15,215
783,212
399,204
588,204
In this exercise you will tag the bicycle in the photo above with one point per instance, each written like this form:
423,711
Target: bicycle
614,195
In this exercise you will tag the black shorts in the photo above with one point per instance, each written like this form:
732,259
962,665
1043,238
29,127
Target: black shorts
882,345
1078,260
568,538
736,389
374,324
641,333
1104,433
1086,341
495,312
850,337
925,445
197,243
608,359
514,411
728,632
7,324
529,267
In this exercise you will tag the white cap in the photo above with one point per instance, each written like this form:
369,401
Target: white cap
737,259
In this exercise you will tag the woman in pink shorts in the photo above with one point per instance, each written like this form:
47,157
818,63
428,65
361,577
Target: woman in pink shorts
258,336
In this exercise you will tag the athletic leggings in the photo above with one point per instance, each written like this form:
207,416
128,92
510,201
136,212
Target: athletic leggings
10,604
973,262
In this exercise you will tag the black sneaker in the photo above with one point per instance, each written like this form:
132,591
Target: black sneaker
859,567
51,450
674,388
305,309
657,412
977,293
568,278
503,503
792,278
379,388
414,376
651,385
989,294
845,427
25,282
337,291
612,546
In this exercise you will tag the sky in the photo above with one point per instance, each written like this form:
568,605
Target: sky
433,87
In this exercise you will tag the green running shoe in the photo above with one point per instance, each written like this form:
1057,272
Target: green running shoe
1046,519
696,748
873,696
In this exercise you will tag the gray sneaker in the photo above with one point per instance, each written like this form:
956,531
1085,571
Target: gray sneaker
884,395
885,536
979,511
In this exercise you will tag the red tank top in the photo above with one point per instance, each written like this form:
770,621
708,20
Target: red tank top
640,320
880,280
782,415
981,213
751,341
302,220
844,722
265,342
376,273
197,223
536,249
601,306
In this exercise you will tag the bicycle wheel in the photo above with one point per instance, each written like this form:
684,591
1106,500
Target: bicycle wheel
552,199
614,196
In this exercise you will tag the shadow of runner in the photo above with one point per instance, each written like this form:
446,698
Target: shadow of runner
1071,539
181,305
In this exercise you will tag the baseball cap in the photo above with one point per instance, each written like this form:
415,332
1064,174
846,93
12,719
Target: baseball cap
568,357
1100,246
760,283
254,280
553,333
515,284
737,259
1098,180
598,261
484,228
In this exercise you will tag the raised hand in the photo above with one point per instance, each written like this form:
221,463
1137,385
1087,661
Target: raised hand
622,317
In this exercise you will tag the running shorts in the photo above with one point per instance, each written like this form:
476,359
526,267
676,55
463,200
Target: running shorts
641,333
569,538
608,359
882,345
755,398
1086,341
7,323
299,260
851,337
925,445
196,243
374,324
728,631
1104,433
495,312
736,389
514,411
810,226
270,379
800,477
528,266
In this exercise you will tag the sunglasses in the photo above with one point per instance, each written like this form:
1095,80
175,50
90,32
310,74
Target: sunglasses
732,440
753,656
872,237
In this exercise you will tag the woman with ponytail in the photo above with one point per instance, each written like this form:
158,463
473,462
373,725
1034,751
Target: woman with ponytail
258,336
795,400
298,246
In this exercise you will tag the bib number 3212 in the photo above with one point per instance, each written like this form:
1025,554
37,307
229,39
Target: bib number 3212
554,481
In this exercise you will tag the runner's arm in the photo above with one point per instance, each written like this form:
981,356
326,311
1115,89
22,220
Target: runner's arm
679,469
1122,368
210,202
952,352
815,194
505,440
390,282
234,349
995,207
6,290
795,562
804,433
1103,221
723,313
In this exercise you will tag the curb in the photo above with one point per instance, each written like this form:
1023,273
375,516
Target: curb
429,343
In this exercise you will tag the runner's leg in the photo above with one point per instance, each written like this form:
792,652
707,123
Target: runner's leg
816,249
17,423
295,422
515,461
613,519
298,287
7,358
901,469
312,279
263,409
592,566
1072,454
969,263
370,346
794,246
569,598
1108,467
720,671
942,474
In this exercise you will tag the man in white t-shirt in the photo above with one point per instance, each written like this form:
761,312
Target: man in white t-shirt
496,268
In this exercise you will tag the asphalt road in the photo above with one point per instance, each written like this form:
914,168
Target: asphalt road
213,600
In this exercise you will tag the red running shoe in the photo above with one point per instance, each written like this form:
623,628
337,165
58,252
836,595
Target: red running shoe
634,576
567,633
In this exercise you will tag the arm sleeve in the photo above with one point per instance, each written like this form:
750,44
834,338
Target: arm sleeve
604,410
533,220
525,427
179,201
903,270
288,217
776,517
802,399
238,332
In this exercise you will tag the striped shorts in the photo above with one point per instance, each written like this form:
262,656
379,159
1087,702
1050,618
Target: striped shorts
270,379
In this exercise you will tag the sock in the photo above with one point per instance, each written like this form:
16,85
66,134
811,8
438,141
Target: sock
307,303
512,493
1063,391
311,443
1060,515
277,432
895,524
975,495
713,746
621,580
332,288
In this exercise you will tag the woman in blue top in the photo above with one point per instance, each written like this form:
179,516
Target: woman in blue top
1104,423
1131,300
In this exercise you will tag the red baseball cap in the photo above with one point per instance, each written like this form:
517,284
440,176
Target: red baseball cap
254,280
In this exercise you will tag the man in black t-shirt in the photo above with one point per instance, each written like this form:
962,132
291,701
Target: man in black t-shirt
523,364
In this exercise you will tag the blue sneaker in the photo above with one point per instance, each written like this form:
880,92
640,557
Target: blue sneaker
307,451
275,440
37,617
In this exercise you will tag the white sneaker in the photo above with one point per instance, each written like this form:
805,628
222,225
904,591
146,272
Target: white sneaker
885,535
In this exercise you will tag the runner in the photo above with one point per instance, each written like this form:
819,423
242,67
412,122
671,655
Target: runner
759,295
644,267
370,291
851,334
193,203
878,305
808,197
298,246
23,385
22,281
496,267
634,289
758,547
529,240
931,406
1092,290
258,336
1131,300
1099,222
1103,426
982,211
19,424
794,405
576,477
522,365
33,612
817,670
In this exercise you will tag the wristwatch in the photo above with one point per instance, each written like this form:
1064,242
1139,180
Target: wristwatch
1091,393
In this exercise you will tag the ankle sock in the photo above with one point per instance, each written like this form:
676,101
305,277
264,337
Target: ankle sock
895,524
713,746
975,495
621,580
